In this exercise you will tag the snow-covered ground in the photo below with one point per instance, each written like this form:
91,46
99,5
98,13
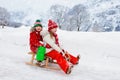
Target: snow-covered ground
100,56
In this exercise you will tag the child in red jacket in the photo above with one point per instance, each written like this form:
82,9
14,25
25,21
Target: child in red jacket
35,38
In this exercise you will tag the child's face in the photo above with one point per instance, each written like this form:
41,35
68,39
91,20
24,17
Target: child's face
53,30
38,28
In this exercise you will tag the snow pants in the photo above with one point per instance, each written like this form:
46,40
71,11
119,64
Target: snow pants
61,61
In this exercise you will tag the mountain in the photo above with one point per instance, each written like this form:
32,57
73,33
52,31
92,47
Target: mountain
105,14
94,15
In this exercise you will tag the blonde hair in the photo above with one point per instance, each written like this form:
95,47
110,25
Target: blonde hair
51,34
32,29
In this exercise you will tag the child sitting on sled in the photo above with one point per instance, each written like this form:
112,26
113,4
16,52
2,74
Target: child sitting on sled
35,39
54,51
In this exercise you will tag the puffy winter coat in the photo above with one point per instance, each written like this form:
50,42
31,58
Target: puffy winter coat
35,41
50,41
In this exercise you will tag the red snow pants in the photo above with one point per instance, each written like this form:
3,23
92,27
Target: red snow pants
61,61
73,59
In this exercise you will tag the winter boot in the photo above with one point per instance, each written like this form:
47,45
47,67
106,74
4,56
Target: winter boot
69,69
78,57
40,63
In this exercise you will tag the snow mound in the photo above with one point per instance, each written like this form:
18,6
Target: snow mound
100,58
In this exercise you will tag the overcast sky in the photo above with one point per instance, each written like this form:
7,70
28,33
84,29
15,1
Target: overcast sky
35,5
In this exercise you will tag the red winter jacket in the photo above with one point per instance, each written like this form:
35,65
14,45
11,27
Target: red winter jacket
35,39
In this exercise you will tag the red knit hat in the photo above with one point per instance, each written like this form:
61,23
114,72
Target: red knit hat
51,25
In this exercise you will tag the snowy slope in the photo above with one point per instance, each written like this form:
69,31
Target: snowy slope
100,56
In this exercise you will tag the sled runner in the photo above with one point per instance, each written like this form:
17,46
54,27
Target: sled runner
32,57
48,60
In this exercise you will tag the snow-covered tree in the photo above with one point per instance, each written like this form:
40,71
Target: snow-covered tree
4,17
57,14
17,16
117,28
77,19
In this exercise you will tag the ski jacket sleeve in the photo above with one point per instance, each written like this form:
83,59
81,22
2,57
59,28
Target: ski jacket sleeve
51,42
34,40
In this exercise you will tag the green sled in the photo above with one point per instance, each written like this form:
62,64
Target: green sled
40,55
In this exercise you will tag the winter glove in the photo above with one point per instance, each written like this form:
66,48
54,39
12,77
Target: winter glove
66,55
62,53
63,50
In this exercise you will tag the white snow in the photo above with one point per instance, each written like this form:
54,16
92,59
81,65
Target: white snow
100,56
